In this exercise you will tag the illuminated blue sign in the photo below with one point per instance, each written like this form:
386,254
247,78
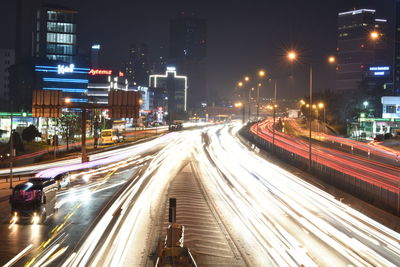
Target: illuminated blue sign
379,73
380,68
62,69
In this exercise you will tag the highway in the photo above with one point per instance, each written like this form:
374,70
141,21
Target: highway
372,149
109,215
369,170
79,207
278,217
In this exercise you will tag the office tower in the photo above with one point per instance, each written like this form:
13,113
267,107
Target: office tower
396,71
188,51
137,68
54,35
361,48
7,58
176,87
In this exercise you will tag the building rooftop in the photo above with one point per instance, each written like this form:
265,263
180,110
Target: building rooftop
55,7
356,12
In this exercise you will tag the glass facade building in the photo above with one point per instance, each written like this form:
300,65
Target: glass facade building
356,50
70,79
397,51
55,34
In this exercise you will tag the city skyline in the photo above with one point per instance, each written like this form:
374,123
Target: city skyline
247,29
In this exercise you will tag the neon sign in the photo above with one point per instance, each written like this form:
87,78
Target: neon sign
100,72
62,69
379,73
379,68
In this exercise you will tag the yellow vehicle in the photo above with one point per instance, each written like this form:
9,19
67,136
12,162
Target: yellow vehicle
109,136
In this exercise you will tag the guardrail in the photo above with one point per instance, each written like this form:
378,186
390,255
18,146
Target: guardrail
371,193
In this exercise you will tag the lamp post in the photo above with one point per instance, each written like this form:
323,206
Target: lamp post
322,105
261,74
292,57
240,105
240,84
247,79
273,108
12,154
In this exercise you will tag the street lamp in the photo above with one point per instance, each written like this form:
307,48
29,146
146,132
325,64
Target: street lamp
273,108
322,106
240,105
261,74
67,100
292,56
331,59
365,103
374,35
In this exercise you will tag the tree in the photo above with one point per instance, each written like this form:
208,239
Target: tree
29,134
17,142
69,124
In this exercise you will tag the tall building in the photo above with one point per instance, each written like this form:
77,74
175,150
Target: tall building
54,35
188,52
94,56
359,54
176,87
396,72
7,58
137,68
45,36
25,22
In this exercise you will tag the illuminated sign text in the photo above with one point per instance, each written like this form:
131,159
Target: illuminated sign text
62,69
100,72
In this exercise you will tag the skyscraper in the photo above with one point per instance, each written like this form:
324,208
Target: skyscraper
137,68
54,35
188,51
396,71
45,35
358,50
7,58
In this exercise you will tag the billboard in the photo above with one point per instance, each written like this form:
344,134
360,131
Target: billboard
124,104
46,104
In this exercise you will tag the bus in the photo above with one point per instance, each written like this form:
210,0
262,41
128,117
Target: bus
33,201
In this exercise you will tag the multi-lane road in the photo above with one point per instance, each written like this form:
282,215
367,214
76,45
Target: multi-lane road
274,218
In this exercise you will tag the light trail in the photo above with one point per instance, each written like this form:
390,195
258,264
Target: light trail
379,174
277,216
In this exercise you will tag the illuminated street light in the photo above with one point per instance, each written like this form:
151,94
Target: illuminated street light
247,78
238,105
331,59
261,73
67,100
292,56
374,35
365,103
240,84
302,102
321,105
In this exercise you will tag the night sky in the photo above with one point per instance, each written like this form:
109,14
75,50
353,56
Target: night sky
242,35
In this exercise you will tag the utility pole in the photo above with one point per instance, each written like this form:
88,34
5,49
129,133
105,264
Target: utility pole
310,121
11,146
83,138
249,103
